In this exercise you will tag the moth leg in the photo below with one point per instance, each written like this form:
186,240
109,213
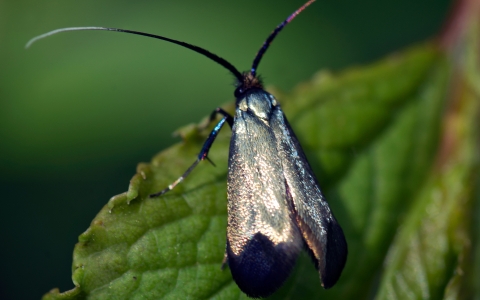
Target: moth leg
214,113
204,152
222,112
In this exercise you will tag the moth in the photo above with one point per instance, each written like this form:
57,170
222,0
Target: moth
275,205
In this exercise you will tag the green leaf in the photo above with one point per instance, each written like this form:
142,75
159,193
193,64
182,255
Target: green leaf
432,255
371,134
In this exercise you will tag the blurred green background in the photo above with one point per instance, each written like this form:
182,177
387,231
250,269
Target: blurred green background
79,110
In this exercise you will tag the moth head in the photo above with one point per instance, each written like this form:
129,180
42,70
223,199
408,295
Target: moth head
249,81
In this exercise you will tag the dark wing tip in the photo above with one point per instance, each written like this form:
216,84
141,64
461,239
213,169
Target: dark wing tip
262,267
335,256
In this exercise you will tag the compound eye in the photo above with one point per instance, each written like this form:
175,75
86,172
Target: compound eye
238,92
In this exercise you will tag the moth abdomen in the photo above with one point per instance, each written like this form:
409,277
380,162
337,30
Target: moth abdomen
262,267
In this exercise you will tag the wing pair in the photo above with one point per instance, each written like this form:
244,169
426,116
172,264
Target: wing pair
275,206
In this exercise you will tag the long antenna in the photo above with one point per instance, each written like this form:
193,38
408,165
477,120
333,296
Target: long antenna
197,49
274,33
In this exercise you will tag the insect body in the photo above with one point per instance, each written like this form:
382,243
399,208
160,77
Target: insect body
274,202
275,206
